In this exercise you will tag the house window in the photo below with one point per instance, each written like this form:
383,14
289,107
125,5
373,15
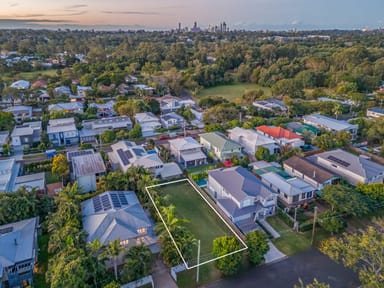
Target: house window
309,194
124,242
278,190
295,198
142,230
303,195
285,196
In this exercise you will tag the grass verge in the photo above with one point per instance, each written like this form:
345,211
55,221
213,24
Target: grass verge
42,266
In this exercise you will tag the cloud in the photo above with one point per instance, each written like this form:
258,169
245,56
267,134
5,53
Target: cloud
130,12
23,16
13,4
30,21
71,7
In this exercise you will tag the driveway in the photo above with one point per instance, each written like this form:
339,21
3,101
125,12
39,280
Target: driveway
307,266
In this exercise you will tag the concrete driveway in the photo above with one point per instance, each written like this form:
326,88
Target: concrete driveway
307,266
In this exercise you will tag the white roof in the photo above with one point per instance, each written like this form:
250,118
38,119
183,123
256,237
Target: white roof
170,170
108,105
146,117
3,137
184,143
249,135
61,125
19,108
66,106
30,181
193,156
90,164
328,122
293,186
22,131
21,84
112,122
18,244
7,173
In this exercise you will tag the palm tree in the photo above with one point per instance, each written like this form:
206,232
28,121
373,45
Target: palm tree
139,262
337,109
96,251
113,251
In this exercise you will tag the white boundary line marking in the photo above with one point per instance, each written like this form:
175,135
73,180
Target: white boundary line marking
217,213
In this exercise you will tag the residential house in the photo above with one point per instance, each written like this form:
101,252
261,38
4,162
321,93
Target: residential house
25,135
82,91
222,147
62,132
355,169
375,112
143,89
67,107
251,140
198,121
9,170
130,79
273,105
187,152
310,172
61,90
291,192
39,84
126,154
87,169
331,124
172,119
21,85
104,110
241,196
148,123
116,215
20,113
18,253
31,181
282,136
172,104
259,168
91,128
4,138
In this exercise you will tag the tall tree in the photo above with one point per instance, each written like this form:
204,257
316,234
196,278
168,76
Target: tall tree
228,265
114,249
257,246
138,263
60,166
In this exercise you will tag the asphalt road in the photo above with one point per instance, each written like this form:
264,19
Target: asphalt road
285,274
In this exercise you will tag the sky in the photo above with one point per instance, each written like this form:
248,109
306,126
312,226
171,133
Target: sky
166,14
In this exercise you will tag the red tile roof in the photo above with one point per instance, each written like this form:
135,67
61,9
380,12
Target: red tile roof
278,132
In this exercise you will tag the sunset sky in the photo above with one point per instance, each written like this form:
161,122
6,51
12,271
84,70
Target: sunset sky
158,14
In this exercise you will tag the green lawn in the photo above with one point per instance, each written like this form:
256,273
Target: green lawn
204,223
232,92
52,178
39,275
200,168
290,242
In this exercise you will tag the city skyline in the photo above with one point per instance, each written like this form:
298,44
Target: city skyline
166,14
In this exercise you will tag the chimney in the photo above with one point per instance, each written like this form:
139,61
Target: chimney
314,173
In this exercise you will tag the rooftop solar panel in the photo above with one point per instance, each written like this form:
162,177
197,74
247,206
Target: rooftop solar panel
106,202
139,152
115,200
339,161
123,199
6,230
124,156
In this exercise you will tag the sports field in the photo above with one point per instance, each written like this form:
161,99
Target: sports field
232,92
203,221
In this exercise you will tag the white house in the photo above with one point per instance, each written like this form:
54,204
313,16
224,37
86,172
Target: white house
331,124
18,253
91,128
62,132
187,152
375,112
25,135
221,146
68,107
172,119
355,169
171,104
251,140
21,84
291,192
104,110
148,123
87,169
241,196
20,113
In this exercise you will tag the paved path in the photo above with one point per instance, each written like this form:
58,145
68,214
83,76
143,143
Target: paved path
161,276
273,255
269,228
285,274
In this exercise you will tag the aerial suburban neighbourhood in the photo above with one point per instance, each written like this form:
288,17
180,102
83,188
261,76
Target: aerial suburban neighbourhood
195,156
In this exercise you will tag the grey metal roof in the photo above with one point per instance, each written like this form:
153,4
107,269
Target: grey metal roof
17,241
240,182
220,141
88,164
109,225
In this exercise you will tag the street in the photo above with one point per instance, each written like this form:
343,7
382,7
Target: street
307,266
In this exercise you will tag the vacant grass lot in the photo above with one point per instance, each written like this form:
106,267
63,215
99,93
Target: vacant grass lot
233,92
31,76
203,222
